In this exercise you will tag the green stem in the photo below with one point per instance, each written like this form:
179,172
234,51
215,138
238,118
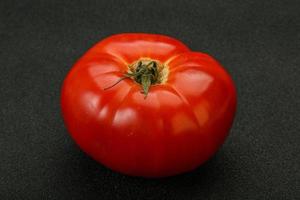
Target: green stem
144,74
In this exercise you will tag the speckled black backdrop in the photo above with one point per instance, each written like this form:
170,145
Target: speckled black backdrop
257,42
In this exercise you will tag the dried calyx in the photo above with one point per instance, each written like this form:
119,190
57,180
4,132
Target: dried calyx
145,72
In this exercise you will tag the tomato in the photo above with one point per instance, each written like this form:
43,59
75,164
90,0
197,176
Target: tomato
146,105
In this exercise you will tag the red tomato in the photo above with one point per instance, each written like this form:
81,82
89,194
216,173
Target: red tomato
178,121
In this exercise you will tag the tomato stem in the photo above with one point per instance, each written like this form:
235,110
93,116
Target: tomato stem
144,72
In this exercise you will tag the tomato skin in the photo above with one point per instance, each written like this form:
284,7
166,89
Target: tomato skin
180,124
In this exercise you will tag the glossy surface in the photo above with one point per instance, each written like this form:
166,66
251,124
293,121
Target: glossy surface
181,123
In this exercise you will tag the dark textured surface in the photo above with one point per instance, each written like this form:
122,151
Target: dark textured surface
257,42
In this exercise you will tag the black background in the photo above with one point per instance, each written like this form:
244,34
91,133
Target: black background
256,41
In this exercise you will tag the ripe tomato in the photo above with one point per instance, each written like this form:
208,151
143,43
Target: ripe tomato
146,105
